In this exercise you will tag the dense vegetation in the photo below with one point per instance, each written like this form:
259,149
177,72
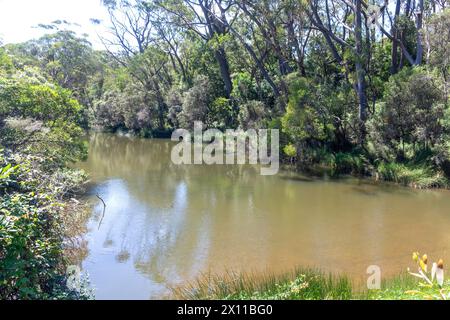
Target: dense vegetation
39,222
356,87
306,284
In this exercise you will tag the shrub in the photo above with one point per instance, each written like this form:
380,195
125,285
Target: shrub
420,177
346,163
220,114
290,151
412,112
196,102
31,242
252,115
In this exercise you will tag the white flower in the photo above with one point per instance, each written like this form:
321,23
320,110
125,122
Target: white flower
440,273
433,271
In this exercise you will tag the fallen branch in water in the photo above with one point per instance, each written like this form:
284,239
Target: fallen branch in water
104,210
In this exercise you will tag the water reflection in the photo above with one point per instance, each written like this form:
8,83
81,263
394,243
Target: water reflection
164,224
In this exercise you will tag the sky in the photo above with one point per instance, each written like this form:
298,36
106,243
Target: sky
19,18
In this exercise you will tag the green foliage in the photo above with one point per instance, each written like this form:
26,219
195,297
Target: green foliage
310,284
302,121
421,177
411,114
380,65
290,150
244,87
29,261
125,110
438,27
40,101
66,59
196,102
407,290
54,130
6,63
349,163
317,119
221,114
31,250
252,114
428,283
408,31
5,174
40,134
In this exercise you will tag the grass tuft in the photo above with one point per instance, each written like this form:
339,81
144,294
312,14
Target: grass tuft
414,176
301,284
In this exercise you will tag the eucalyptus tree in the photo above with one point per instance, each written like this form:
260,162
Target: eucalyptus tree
64,58
331,19
135,43
130,26
438,45
284,27
173,41
210,20
273,29
404,23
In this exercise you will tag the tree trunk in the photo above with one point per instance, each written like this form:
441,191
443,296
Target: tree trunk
419,23
360,71
154,86
395,33
222,60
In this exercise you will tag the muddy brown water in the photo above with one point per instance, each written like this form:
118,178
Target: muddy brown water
166,224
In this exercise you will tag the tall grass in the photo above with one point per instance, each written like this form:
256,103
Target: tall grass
301,284
414,176
395,288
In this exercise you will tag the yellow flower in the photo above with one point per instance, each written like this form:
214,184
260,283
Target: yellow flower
423,263
415,256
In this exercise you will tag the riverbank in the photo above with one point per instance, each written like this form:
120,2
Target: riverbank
417,175
41,134
301,284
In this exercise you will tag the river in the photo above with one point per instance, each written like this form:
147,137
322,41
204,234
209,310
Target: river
166,224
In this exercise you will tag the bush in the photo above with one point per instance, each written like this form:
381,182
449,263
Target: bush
31,244
318,117
420,177
42,119
196,102
290,151
347,163
126,109
252,115
40,134
221,114
411,114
